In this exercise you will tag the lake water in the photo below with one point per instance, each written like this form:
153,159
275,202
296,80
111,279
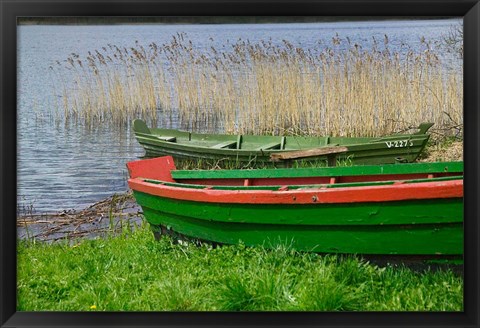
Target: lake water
64,167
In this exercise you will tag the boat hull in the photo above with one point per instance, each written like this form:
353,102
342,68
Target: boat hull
255,149
421,227
401,209
371,154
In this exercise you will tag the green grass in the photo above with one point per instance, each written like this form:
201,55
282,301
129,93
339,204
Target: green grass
233,164
133,272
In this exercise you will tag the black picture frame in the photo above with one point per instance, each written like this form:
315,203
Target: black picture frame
11,10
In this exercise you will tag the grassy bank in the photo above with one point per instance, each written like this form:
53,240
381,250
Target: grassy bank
133,272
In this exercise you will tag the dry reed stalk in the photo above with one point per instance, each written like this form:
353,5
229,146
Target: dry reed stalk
264,88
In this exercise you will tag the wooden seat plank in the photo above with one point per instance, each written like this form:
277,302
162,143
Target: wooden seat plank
171,139
269,146
225,144
308,153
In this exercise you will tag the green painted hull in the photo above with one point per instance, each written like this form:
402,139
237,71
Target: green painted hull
420,227
413,209
257,149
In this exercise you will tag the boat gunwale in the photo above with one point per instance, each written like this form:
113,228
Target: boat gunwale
154,133
417,138
337,171
384,193
281,187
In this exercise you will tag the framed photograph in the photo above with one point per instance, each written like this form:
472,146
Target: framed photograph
221,163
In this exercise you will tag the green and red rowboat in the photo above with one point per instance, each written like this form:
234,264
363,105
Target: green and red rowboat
396,209
281,150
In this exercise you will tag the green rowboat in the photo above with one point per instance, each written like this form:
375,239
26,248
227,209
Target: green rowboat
281,150
413,209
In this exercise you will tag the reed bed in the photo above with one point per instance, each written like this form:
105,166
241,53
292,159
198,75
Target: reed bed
336,88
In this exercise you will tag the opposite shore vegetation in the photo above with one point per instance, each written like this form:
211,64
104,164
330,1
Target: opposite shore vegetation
344,88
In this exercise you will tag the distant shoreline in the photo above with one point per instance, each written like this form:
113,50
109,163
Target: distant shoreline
209,20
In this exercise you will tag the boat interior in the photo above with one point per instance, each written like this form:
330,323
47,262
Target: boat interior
251,142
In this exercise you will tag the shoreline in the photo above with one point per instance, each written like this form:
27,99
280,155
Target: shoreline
110,215
121,211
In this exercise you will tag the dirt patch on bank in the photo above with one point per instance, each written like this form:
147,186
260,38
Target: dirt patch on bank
443,153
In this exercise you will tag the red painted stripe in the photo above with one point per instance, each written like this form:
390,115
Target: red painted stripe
396,192
310,180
